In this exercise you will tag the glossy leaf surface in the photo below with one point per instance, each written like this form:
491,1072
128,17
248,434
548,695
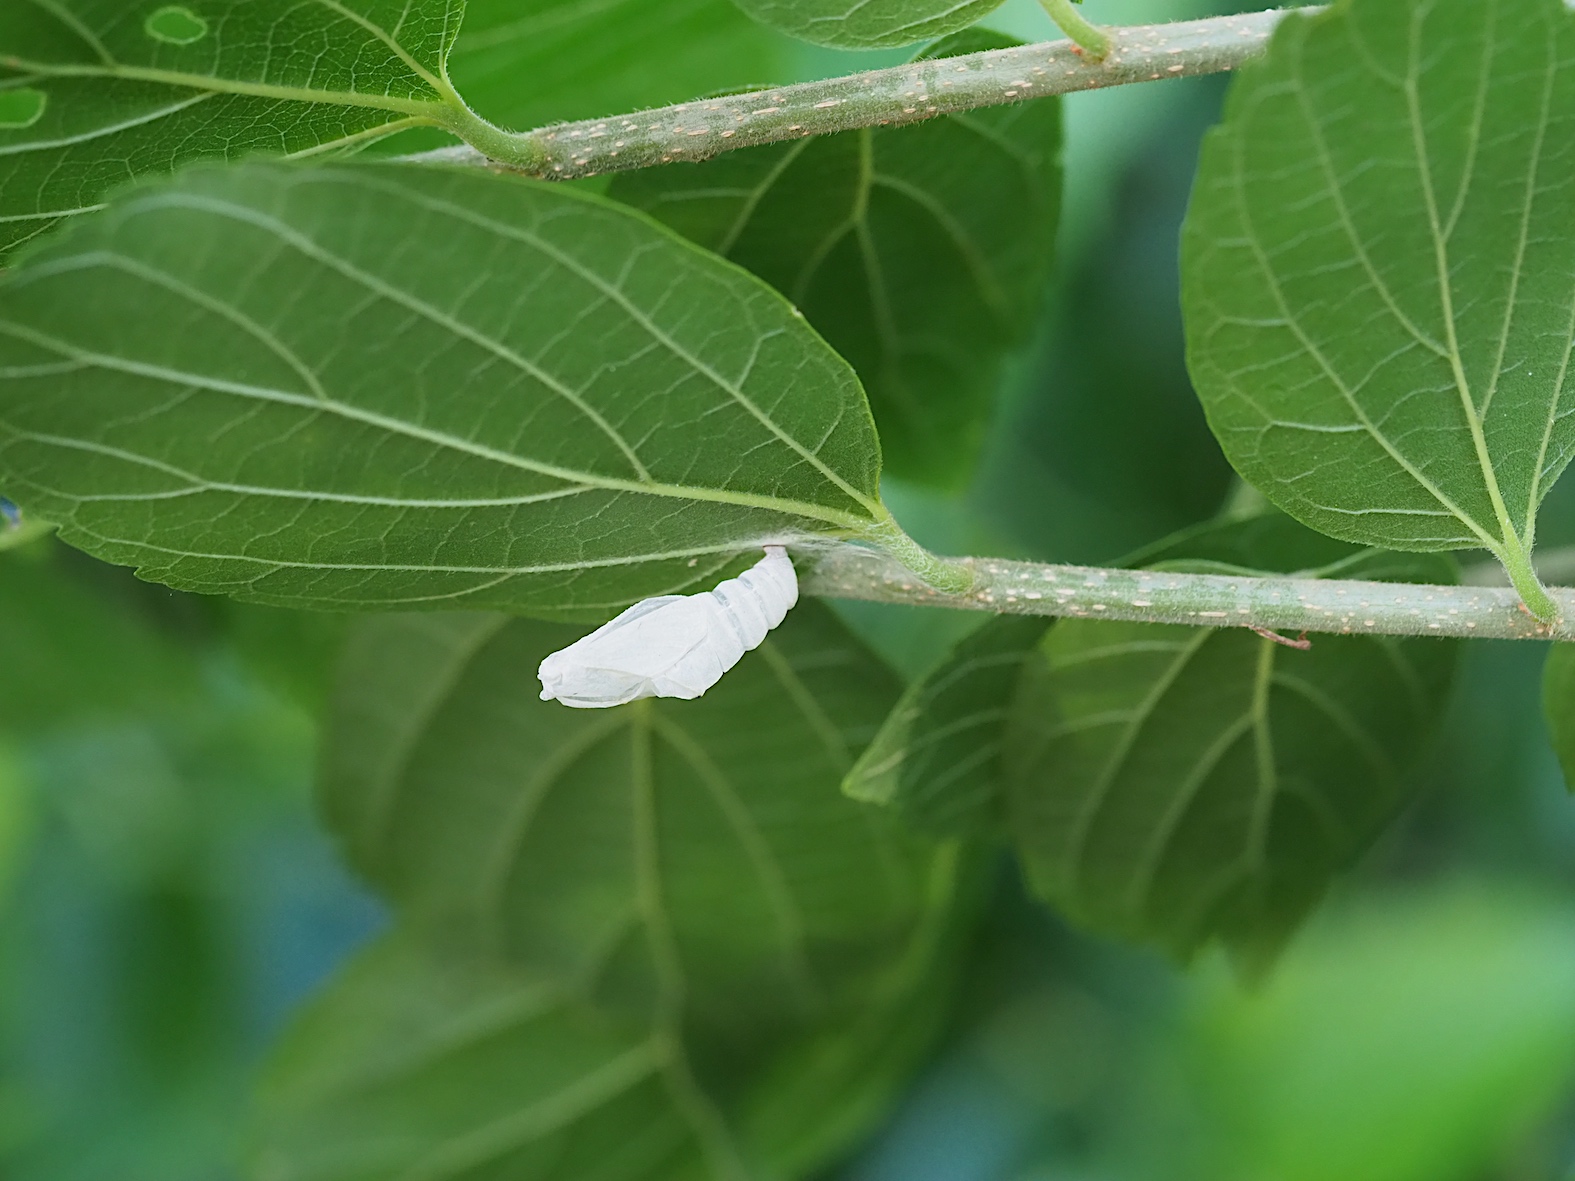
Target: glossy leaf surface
136,89
919,252
868,24
373,385
1173,784
1378,278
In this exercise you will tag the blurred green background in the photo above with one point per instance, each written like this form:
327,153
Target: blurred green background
166,896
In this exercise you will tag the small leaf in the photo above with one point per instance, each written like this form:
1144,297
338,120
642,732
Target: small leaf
1172,784
527,63
125,90
1558,705
625,850
1379,275
937,758
378,385
918,252
423,1064
868,24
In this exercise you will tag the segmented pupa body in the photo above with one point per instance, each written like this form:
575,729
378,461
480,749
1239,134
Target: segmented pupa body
673,645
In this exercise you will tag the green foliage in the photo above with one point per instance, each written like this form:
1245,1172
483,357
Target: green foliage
1378,274
866,24
679,923
269,323
1175,785
420,1063
1384,1049
71,652
527,63
134,89
937,759
713,940
918,252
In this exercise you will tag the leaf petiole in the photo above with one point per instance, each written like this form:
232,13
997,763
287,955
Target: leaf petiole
1523,577
1093,40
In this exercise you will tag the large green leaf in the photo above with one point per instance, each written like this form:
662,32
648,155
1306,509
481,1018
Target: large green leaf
1173,784
527,63
919,252
937,758
132,87
867,24
371,385
693,853
421,1064
1379,274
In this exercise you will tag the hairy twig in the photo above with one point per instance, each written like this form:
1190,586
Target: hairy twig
902,94
1283,605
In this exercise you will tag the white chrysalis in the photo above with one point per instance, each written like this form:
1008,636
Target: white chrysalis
674,645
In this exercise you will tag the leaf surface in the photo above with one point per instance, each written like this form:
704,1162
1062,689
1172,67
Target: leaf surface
868,24
368,386
420,1064
1379,282
527,63
918,252
132,89
1172,784
937,759
698,853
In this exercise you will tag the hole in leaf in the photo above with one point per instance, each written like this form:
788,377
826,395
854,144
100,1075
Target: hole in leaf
176,25
22,107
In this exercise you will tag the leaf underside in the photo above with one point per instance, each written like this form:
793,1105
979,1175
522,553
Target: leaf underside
663,916
458,792
1379,281
368,386
264,76
918,252
937,760
1174,785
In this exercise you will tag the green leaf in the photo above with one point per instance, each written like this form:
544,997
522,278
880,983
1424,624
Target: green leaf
868,24
1379,278
70,653
1558,705
1172,784
368,386
755,962
132,89
527,63
918,252
421,1064
937,758
627,849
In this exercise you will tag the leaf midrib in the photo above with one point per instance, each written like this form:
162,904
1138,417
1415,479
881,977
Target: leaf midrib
439,110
